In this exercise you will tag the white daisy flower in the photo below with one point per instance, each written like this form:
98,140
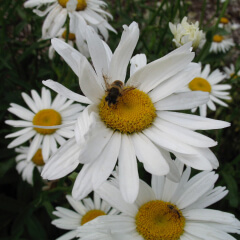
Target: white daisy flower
209,82
227,25
135,120
167,210
25,167
72,40
184,32
90,11
43,112
85,211
235,26
231,72
221,44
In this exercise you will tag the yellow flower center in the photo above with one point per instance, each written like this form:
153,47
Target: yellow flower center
46,117
158,220
224,20
217,38
200,84
38,158
233,75
71,36
133,112
81,5
90,215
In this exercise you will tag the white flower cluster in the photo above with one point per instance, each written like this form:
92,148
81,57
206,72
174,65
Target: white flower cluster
184,32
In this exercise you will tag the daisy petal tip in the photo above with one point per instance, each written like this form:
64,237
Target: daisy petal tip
9,145
129,199
76,195
227,124
54,40
59,44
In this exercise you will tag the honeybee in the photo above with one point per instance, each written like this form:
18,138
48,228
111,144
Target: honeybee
115,91
173,209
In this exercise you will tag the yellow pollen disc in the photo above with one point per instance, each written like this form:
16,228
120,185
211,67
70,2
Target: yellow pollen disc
133,112
217,38
234,76
38,158
81,5
224,20
71,36
47,117
90,215
200,84
158,220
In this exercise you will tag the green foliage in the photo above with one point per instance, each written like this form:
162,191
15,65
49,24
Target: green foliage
25,210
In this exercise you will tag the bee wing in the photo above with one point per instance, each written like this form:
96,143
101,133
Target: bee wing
106,79
125,90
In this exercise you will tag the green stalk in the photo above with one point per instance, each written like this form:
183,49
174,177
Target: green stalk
67,29
202,13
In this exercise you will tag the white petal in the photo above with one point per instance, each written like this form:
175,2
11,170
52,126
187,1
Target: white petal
197,160
93,147
203,110
158,185
57,23
21,112
149,155
107,160
49,20
21,139
113,196
148,77
96,200
182,101
60,89
197,188
98,55
64,161
89,83
84,125
216,100
221,87
128,170
209,215
209,198
67,236
183,134
31,104
174,83
83,184
64,132
137,62
46,98
192,121
123,53
46,147
146,194
204,231
19,133
211,105
205,72
165,141
34,146
71,56
76,205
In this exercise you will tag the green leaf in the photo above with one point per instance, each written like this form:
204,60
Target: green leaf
35,229
233,189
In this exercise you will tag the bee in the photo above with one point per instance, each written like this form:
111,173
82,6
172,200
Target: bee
115,91
174,210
